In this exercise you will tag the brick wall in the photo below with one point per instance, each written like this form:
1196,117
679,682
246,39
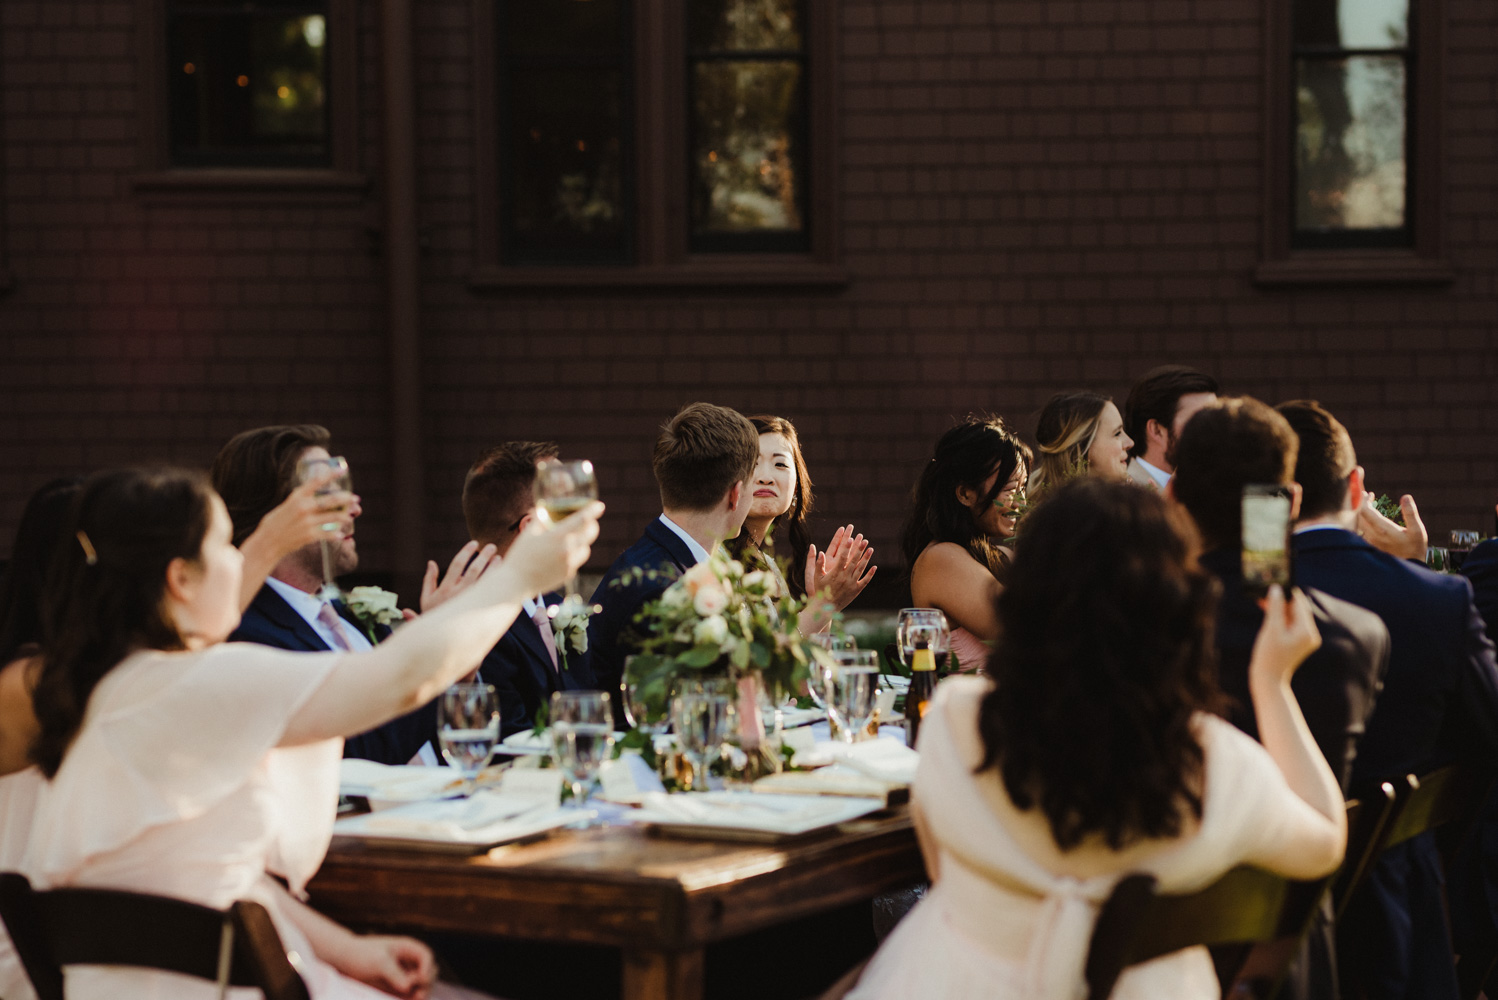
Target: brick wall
1034,197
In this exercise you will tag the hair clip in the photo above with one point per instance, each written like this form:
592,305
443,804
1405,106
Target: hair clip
90,556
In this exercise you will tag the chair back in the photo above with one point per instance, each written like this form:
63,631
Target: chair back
73,926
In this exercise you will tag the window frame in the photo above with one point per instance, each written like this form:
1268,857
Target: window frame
1421,259
158,176
662,253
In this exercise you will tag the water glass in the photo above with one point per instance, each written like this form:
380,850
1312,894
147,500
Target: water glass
923,628
853,691
582,734
702,716
468,728
636,709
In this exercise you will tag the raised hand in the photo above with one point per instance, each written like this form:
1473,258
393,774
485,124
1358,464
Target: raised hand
298,520
843,570
1286,638
1408,542
466,567
400,966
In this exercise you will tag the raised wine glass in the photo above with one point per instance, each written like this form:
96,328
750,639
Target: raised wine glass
468,728
924,628
311,468
701,715
562,489
853,691
582,734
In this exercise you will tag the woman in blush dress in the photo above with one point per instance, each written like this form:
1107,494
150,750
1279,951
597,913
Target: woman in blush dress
963,514
1093,751
184,766
1079,432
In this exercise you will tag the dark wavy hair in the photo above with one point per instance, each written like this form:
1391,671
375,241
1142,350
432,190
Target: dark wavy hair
790,526
37,541
966,455
131,523
1105,652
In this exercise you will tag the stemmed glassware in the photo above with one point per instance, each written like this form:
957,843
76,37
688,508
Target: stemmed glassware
311,468
702,716
1461,543
562,489
582,734
468,728
924,628
816,683
636,710
853,690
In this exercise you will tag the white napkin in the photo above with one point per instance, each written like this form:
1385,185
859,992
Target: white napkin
384,783
484,814
748,811
839,779
886,760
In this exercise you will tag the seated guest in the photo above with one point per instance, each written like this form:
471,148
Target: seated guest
1157,409
704,456
1094,753
185,766
963,514
254,473
1481,569
1077,433
782,490
531,662
1439,704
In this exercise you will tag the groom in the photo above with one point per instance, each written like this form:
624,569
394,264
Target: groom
703,457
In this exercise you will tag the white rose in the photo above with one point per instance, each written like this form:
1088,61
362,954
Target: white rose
580,641
710,601
757,580
699,576
676,596
373,598
712,629
735,568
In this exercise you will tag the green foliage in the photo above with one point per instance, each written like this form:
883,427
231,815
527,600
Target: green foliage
1389,507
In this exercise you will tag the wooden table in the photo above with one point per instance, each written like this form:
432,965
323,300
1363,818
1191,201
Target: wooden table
659,900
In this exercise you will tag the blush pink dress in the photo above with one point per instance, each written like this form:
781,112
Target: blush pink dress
18,797
998,925
971,652
179,784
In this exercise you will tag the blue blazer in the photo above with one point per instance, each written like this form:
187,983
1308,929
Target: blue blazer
270,621
610,631
520,669
1481,570
1439,704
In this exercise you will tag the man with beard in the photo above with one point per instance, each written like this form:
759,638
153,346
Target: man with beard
1157,409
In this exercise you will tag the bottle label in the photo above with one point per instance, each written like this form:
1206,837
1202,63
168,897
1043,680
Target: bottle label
922,659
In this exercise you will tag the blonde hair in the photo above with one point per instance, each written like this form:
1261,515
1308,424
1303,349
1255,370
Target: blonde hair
1067,427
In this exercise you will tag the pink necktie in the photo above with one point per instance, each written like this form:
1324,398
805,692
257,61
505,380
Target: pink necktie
543,624
334,624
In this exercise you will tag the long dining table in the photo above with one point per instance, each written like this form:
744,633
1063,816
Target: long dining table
659,900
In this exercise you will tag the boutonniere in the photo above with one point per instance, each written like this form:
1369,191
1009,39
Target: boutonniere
569,628
373,606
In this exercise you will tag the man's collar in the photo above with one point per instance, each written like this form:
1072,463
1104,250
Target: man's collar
305,604
1319,526
1160,476
698,552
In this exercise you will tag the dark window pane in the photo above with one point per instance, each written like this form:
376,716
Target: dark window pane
1352,24
745,25
567,165
248,85
1350,144
574,29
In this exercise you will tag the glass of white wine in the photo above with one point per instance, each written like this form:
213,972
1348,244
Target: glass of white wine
468,728
562,489
311,468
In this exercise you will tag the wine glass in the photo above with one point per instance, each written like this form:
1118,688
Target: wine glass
923,628
1461,543
816,682
582,734
561,490
853,691
701,714
468,728
636,709
311,468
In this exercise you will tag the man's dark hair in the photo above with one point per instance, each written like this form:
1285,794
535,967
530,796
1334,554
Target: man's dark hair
256,470
1156,397
499,488
700,453
1224,447
1326,457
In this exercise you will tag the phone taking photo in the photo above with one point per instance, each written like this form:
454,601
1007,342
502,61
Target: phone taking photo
1266,538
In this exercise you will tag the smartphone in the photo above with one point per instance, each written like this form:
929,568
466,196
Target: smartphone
1266,538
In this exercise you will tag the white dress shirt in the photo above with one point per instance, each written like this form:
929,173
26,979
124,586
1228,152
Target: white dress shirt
1160,476
698,552
308,605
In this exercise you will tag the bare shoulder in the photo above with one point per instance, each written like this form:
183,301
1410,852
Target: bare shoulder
946,557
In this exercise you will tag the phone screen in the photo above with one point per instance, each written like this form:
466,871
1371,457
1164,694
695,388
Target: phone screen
1266,538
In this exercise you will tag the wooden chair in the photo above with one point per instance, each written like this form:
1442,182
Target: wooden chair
237,947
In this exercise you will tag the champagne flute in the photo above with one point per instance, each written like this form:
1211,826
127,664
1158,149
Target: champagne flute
701,714
853,691
636,709
468,728
311,468
561,490
582,734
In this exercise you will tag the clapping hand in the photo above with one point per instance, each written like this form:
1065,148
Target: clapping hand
840,570
1408,542
466,567
400,966
1286,638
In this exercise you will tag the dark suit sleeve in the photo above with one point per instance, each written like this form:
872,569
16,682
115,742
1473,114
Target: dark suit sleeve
611,631
1475,701
1339,682
1481,569
514,714
398,740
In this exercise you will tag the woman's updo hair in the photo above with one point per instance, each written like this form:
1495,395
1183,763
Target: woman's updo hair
1064,433
966,455
1105,652
105,596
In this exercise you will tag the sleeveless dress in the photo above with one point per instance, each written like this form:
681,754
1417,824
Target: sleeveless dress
970,651
178,784
999,926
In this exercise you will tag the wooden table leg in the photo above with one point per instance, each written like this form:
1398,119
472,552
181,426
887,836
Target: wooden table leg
663,975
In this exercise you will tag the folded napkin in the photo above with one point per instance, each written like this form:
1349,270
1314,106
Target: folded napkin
782,814
838,779
395,782
523,798
887,760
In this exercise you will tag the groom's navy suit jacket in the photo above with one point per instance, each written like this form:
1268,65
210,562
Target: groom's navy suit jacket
524,679
1481,569
1439,704
270,621
609,631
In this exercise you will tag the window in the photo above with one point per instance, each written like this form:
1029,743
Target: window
1352,180
655,141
